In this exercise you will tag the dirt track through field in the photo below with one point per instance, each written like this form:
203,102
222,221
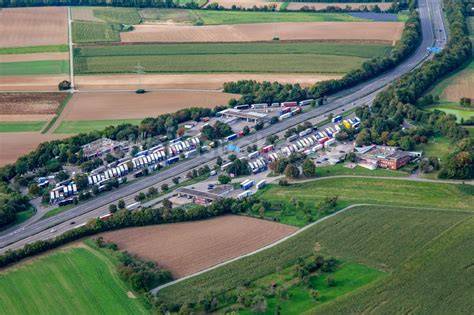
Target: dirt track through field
324,31
22,27
186,248
123,105
34,57
320,6
189,81
15,144
31,83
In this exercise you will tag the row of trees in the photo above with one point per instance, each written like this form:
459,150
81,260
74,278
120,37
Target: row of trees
392,107
123,218
11,203
141,275
255,92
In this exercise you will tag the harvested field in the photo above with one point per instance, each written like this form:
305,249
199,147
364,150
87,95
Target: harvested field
34,57
29,105
123,105
321,6
190,81
462,85
246,3
84,14
33,26
186,248
324,31
15,144
31,83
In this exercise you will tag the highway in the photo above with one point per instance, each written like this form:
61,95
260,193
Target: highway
432,22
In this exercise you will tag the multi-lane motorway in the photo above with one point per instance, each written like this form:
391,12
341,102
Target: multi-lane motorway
434,34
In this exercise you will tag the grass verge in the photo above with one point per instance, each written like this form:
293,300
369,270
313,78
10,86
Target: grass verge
81,126
59,110
21,126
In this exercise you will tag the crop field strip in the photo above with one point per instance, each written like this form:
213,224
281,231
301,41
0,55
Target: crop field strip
40,67
437,279
77,280
33,49
21,126
381,237
261,57
83,126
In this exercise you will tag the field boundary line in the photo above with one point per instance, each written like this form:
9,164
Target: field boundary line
299,231
59,111
70,44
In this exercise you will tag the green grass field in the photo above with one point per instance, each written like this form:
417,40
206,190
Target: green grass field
256,57
438,147
21,126
349,277
340,169
80,126
209,17
34,67
33,49
436,280
455,109
380,237
359,191
77,280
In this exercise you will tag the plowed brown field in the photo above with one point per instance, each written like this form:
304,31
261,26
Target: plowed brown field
31,83
33,26
29,104
186,248
319,6
189,81
123,105
324,31
34,57
15,144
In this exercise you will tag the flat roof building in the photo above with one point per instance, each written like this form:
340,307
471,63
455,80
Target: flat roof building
247,116
102,146
382,156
